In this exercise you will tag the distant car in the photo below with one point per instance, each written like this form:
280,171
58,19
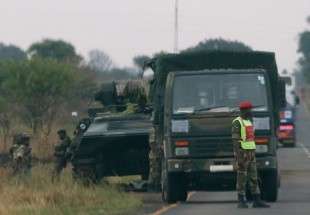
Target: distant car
287,130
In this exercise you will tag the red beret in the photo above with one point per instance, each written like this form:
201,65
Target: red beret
245,105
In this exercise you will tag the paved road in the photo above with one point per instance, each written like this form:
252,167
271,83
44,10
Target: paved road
294,197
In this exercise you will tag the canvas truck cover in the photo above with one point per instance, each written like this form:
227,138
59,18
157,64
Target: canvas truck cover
209,60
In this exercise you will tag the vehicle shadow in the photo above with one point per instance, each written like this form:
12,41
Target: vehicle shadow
215,202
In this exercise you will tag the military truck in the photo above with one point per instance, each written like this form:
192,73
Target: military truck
115,142
196,97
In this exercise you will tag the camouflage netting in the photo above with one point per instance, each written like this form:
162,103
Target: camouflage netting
208,60
107,94
135,93
131,94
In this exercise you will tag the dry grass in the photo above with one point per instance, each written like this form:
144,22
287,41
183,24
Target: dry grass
42,145
36,194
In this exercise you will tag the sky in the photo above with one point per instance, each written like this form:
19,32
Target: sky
126,28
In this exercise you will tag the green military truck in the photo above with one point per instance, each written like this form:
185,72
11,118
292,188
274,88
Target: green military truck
196,98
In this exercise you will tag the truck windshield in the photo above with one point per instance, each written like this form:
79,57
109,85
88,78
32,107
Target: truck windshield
218,92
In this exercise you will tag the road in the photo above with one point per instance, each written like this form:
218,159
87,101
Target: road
294,196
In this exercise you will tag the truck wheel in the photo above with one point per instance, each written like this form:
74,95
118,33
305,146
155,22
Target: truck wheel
270,186
182,188
167,189
173,186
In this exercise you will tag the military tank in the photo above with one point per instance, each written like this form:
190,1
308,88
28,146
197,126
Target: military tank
114,140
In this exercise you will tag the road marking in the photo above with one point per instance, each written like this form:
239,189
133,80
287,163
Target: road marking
164,209
169,207
306,150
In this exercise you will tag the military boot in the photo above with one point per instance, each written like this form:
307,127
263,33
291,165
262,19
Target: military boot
242,203
258,203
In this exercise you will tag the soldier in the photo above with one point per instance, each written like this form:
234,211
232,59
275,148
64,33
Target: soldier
244,151
61,153
154,182
78,134
21,154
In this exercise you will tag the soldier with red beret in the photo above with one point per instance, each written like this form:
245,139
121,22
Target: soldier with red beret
244,151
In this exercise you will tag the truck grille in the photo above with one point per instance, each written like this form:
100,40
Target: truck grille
211,148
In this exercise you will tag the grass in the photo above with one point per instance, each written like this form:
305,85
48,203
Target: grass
35,194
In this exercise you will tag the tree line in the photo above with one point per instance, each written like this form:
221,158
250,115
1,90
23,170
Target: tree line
44,84
304,50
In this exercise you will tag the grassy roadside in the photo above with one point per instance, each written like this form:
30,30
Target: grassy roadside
36,194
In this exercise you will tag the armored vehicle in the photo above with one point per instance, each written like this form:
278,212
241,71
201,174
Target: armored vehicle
196,97
115,143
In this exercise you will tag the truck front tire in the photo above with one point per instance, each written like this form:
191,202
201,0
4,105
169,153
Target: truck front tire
270,186
174,187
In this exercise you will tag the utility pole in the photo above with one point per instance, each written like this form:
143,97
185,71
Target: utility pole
176,27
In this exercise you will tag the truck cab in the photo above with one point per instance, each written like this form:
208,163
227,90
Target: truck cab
200,103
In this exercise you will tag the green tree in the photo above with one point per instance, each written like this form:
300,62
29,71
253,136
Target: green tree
219,45
55,49
99,61
304,44
5,122
11,52
304,50
39,88
121,74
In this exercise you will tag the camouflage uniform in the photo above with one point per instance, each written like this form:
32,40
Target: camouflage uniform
61,153
20,153
244,149
155,156
245,163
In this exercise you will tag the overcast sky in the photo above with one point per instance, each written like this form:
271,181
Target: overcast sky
125,28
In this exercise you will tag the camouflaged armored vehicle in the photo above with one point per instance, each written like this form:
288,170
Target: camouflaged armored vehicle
115,143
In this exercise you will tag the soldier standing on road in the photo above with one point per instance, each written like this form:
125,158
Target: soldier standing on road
244,150
61,153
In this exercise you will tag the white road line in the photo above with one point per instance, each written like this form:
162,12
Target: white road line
306,150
